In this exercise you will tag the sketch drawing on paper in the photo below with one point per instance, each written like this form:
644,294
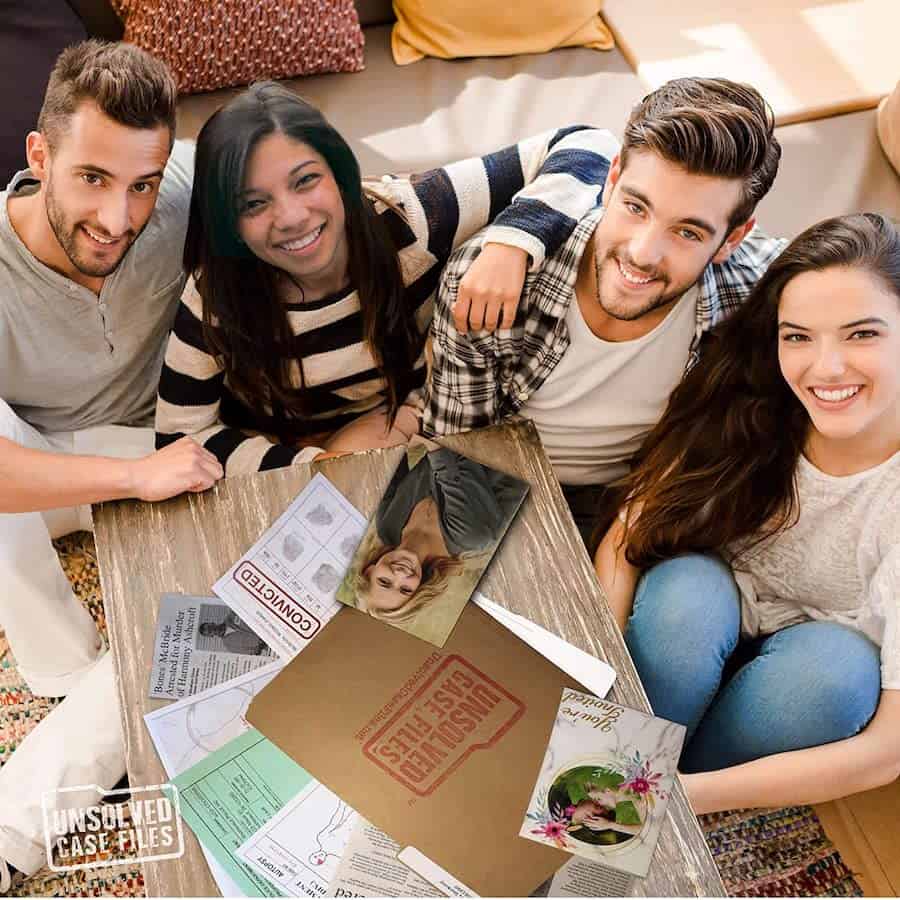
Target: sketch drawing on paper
333,837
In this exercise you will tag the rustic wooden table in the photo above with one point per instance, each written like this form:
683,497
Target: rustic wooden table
542,571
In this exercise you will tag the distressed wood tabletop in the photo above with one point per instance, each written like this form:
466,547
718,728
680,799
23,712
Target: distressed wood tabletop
541,571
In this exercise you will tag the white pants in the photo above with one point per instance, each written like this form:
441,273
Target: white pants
59,652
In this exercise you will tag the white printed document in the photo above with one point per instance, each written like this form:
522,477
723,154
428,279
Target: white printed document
283,587
370,867
187,731
299,849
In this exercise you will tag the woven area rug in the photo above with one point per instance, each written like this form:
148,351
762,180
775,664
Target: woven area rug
777,853
760,853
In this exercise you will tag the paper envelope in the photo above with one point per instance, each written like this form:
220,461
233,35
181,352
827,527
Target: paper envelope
440,748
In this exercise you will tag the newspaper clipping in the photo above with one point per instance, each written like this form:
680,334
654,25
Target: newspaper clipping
369,868
201,642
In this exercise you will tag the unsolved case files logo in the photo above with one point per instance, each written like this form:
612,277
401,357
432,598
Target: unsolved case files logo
122,826
457,711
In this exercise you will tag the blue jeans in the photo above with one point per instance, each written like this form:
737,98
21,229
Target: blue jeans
805,685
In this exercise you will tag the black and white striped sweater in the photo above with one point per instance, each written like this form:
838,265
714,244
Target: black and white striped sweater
530,195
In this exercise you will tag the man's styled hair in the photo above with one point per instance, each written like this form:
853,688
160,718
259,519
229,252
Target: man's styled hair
127,84
710,126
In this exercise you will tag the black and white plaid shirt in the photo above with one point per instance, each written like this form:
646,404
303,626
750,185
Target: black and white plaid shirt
479,379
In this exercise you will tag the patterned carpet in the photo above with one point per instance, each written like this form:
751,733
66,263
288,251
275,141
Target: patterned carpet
760,853
777,853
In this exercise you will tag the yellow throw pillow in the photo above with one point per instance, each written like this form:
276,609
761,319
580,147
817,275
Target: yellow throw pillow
452,28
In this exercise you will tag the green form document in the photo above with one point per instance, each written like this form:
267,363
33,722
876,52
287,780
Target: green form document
231,794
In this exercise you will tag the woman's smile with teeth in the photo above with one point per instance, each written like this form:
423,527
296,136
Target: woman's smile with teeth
300,243
631,276
835,395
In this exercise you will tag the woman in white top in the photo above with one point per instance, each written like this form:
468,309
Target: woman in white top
755,568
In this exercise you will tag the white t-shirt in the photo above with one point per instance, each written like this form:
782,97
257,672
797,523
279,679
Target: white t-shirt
598,404
839,563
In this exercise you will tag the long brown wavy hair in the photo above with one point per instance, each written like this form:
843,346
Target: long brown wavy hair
244,320
719,467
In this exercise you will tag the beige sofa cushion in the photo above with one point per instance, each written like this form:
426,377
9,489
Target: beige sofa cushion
808,58
409,119
829,167
401,119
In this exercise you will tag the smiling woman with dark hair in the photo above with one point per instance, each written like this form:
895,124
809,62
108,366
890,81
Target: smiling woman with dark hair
755,563
311,298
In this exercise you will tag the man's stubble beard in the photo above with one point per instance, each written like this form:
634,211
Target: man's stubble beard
632,315
66,235
663,300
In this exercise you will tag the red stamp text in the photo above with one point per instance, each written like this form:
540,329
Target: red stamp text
264,590
455,712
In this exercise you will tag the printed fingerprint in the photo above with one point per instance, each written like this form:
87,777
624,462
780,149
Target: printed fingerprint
326,578
291,547
320,515
349,545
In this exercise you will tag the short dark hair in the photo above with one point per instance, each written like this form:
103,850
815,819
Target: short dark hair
710,126
127,84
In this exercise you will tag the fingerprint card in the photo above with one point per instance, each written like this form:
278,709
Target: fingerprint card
284,586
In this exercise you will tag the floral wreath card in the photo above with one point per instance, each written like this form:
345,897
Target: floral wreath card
605,782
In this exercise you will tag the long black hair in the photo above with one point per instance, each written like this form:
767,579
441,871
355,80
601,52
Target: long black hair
244,320
719,467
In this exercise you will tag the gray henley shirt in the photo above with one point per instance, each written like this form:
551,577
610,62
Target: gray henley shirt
70,359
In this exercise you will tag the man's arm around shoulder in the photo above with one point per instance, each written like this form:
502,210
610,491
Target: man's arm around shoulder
463,390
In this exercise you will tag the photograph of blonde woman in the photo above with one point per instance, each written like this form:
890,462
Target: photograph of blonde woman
434,533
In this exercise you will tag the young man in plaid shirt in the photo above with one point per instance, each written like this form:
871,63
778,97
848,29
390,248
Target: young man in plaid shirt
607,325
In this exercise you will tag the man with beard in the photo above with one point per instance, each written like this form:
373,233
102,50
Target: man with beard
91,242
607,326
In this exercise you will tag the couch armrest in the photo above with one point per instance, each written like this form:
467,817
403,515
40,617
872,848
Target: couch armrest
98,18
